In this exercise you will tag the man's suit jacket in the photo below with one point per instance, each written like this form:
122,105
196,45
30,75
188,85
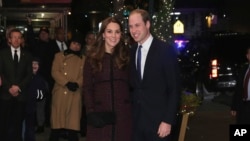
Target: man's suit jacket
156,97
237,100
7,73
240,105
55,48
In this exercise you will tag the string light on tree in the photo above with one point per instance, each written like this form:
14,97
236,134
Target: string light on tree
118,6
161,25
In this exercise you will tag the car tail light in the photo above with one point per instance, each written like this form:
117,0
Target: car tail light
214,71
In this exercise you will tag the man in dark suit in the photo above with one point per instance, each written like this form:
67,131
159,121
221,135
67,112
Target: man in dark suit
241,99
16,74
59,43
154,82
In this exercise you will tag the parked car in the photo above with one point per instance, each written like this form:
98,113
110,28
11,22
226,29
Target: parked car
211,64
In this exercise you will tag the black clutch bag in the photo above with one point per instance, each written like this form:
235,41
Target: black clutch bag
100,119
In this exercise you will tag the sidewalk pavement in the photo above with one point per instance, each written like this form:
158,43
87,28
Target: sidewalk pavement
209,123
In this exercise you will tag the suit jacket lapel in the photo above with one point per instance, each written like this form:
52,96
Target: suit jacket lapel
9,56
150,57
9,60
21,56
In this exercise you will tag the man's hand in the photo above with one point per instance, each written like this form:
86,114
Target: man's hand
14,90
164,129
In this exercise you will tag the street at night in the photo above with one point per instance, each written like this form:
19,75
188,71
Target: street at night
210,38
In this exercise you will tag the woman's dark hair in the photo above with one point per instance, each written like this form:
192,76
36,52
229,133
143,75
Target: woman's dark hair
120,54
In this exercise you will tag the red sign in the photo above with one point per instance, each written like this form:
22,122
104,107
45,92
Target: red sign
45,1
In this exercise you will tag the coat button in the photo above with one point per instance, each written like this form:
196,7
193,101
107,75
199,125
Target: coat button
64,64
65,73
65,92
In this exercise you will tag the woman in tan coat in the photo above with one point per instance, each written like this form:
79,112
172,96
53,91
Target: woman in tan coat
66,105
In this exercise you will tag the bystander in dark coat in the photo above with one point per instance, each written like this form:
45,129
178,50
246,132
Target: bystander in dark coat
35,106
240,107
42,48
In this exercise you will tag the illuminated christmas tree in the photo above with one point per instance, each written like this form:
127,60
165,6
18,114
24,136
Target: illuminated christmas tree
161,21
118,6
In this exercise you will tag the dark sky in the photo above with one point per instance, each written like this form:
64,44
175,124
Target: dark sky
237,11
199,3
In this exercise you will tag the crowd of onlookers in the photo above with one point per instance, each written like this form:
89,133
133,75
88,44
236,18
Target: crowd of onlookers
113,90
42,50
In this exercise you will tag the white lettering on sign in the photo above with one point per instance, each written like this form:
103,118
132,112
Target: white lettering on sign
240,132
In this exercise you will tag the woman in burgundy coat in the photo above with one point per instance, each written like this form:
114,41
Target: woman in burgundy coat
106,87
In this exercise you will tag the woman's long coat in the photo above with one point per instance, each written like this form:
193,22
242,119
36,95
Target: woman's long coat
98,90
66,105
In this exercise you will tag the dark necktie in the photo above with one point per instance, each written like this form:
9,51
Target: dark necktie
139,61
62,46
15,62
15,57
245,85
